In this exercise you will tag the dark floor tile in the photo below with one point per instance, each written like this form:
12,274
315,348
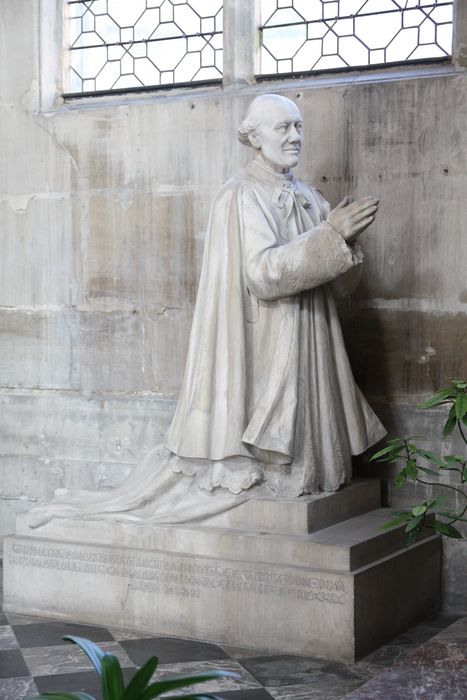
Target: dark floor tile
16,688
50,633
171,650
17,619
441,620
349,672
86,681
283,670
120,634
421,633
259,694
458,630
389,654
246,652
12,664
407,639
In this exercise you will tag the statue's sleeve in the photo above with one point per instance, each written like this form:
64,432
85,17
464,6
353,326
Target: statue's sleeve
274,270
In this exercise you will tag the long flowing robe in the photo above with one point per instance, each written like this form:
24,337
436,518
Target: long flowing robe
268,403
267,374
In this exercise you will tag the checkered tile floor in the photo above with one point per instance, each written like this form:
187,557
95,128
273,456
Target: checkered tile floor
34,658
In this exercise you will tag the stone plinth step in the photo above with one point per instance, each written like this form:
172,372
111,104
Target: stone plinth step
342,547
305,514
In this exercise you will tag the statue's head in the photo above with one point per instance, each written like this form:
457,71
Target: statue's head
273,127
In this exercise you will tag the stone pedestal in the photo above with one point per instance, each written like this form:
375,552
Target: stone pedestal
336,592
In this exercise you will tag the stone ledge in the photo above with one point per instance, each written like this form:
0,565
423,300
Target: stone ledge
342,547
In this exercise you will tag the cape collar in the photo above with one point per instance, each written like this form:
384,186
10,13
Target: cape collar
283,184
266,174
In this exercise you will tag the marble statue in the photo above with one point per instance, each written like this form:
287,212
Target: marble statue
268,405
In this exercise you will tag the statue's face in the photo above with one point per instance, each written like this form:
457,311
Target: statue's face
279,134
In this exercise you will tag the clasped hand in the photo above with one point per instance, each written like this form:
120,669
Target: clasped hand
350,219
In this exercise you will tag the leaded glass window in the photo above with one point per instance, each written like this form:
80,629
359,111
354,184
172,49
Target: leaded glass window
300,36
140,44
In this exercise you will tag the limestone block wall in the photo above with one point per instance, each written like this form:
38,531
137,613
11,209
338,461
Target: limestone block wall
104,203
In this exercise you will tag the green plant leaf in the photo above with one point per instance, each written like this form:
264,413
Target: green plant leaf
401,478
461,405
141,679
450,423
459,383
399,520
452,516
415,523
429,456
112,678
435,502
419,510
92,651
391,460
389,451
464,474
445,529
431,472
412,469
439,398
454,459
397,441
160,687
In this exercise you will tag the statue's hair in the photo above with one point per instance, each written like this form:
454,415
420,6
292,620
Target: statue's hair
243,132
250,123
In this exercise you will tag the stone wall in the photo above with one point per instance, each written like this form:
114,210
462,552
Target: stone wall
104,203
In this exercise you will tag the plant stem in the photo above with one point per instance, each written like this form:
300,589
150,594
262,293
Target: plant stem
445,486
460,515
461,431
407,450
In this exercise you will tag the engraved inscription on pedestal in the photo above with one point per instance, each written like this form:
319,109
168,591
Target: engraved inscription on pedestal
173,576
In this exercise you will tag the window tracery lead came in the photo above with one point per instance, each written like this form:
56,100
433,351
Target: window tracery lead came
121,45
300,36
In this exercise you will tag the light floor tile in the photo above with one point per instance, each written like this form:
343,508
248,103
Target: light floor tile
17,688
7,638
305,692
120,635
45,661
218,685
